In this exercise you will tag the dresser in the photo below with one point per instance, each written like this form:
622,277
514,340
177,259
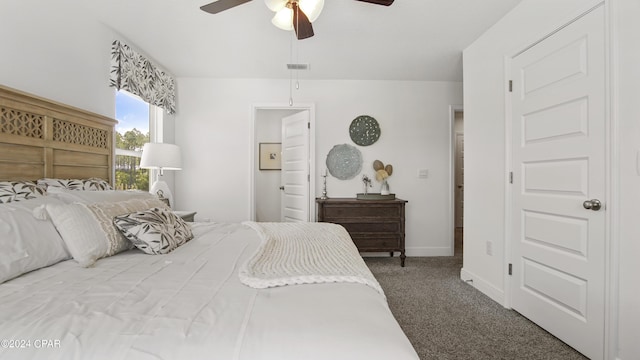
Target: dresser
374,225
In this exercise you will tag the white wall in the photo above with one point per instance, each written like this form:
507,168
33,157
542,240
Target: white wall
52,51
213,129
485,172
168,136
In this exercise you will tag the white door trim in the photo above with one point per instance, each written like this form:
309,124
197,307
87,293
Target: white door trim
452,174
508,209
612,178
312,152
612,166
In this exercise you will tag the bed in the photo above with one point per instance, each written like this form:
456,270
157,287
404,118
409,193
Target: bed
214,295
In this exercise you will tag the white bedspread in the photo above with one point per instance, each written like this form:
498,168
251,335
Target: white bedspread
190,304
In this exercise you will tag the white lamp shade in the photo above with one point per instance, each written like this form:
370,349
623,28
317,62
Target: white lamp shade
161,156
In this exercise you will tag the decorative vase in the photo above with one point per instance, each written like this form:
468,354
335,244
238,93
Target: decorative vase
384,189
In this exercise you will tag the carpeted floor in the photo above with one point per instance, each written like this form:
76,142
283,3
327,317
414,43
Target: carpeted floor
445,318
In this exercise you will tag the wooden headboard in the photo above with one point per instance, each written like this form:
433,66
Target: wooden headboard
42,138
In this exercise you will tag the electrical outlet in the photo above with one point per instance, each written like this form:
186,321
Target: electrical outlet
489,248
423,173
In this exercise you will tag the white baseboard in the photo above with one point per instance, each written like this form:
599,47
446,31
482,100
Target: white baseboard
429,251
484,287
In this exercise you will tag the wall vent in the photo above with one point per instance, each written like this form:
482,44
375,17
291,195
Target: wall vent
298,66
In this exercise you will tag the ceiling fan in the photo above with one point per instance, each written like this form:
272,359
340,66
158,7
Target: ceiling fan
290,14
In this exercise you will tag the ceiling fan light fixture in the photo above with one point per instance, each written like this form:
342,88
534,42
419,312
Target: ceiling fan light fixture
290,14
283,19
312,8
276,5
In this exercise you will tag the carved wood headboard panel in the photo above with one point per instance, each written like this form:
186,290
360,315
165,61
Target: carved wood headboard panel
42,138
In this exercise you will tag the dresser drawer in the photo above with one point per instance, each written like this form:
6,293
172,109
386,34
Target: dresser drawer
377,242
359,211
392,227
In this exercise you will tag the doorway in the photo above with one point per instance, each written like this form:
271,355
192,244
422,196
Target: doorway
456,123
266,203
458,130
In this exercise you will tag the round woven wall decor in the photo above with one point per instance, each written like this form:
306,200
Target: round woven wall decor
364,130
344,161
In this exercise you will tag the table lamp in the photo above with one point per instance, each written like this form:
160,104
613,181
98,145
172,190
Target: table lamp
162,157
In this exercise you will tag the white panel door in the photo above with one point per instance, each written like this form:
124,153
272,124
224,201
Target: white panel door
558,149
295,167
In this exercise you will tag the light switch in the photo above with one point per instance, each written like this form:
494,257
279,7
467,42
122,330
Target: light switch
423,173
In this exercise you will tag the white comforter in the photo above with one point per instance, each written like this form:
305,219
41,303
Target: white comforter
190,304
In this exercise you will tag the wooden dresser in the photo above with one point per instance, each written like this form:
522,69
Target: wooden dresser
374,225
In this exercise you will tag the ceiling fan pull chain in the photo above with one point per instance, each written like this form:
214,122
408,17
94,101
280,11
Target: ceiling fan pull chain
297,62
291,70
290,87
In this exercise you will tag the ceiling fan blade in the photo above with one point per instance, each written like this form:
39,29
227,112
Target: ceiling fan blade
379,2
301,23
221,5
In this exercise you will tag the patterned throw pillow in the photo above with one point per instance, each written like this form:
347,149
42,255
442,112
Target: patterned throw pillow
11,191
93,184
154,231
88,229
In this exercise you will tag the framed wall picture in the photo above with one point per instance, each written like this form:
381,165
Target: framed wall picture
270,156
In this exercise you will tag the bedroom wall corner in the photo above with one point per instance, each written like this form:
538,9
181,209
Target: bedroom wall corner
45,54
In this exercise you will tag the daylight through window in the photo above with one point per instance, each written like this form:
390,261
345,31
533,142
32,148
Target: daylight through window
132,132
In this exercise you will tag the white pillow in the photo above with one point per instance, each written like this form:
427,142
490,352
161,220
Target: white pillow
154,231
88,230
27,243
90,197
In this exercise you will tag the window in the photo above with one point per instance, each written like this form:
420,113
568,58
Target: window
135,119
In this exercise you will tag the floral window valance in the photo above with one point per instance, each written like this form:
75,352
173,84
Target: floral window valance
136,74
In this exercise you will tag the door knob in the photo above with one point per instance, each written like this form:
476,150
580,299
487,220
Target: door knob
593,204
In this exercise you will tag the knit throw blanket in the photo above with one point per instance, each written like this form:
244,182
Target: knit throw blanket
304,253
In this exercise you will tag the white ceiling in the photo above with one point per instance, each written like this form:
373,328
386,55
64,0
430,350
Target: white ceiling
410,40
